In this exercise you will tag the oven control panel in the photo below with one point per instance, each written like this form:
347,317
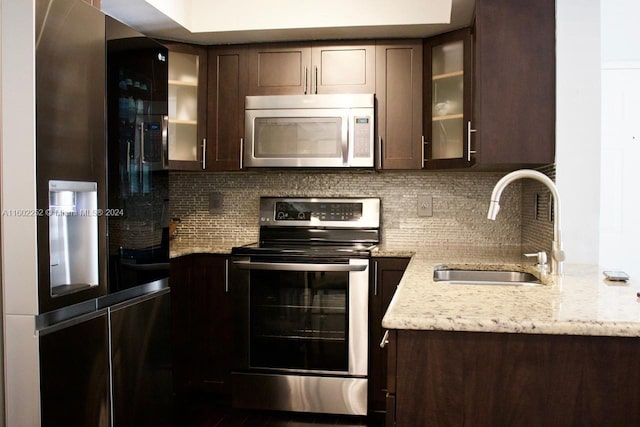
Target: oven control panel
305,211
331,212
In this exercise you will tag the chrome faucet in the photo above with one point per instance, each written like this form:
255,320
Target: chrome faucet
557,253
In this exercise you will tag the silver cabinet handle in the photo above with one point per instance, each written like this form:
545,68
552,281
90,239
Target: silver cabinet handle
305,79
469,131
204,153
423,151
375,278
316,79
379,152
385,339
226,275
291,266
241,151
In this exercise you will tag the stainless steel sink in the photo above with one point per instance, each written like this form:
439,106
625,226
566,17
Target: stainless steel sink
485,277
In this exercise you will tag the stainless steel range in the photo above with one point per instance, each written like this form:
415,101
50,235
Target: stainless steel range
301,306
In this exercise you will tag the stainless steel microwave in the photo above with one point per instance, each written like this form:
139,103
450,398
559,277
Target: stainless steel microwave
309,131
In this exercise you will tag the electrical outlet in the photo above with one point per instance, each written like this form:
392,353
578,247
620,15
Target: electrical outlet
215,203
425,205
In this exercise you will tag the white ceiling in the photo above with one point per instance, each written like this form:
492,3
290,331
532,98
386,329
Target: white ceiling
144,17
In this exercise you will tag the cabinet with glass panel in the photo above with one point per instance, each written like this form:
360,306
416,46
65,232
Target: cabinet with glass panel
447,101
187,107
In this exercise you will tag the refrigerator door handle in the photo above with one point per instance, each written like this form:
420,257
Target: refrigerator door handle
142,161
165,142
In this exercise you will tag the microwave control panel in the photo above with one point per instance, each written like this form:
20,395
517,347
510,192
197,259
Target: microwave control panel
362,136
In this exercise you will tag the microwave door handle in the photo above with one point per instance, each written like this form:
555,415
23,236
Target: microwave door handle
293,266
346,129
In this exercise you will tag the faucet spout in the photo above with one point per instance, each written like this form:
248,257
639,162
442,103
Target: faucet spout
557,252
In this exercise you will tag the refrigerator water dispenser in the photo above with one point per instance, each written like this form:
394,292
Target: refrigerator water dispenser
73,236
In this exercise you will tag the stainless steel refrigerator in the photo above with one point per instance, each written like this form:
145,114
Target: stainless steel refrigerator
102,194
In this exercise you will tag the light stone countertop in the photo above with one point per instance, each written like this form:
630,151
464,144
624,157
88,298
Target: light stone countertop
580,302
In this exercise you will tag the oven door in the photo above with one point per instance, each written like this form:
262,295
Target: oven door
309,317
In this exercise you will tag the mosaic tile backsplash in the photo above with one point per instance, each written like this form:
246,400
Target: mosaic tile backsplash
223,207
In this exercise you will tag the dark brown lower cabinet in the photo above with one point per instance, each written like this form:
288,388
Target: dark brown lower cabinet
385,277
201,329
500,379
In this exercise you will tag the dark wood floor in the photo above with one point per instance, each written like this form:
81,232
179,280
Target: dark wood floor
206,411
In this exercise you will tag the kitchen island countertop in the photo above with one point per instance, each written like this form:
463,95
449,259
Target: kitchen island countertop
580,302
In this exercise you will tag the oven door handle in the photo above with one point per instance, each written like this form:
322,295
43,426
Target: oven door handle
291,266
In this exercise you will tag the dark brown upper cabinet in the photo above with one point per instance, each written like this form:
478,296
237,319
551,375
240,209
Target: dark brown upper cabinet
514,93
225,107
187,106
304,68
399,104
447,101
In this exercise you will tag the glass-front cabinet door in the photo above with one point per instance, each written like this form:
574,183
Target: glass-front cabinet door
187,107
447,101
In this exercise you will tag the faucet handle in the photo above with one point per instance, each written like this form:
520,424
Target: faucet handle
542,257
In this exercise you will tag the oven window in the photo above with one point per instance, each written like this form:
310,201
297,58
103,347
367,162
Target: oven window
299,320
293,137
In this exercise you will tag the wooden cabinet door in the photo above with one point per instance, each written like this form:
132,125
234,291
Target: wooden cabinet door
515,82
212,296
399,94
201,310
187,106
305,69
227,85
182,323
343,68
279,69
510,379
386,275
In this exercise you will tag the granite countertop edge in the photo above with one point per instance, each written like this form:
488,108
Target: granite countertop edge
580,302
